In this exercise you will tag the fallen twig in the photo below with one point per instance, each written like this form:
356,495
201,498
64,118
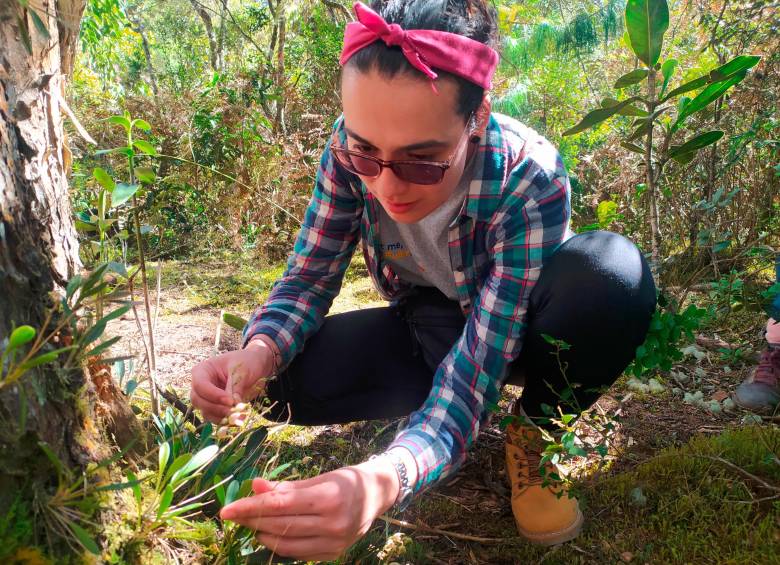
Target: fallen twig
739,469
422,528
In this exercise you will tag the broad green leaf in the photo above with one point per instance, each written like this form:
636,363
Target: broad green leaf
605,212
278,471
233,321
163,455
696,143
121,121
123,192
185,509
724,72
219,490
640,131
132,384
165,501
635,76
20,336
116,267
667,70
84,538
113,315
85,227
597,116
706,97
736,65
142,124
232,492
646,22
103,178
199,460
73,284
145,174
145,147
177,464
632,147
93,333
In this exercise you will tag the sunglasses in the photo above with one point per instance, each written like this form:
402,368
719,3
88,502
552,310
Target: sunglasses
413,171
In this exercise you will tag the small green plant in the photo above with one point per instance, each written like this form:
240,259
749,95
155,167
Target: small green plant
662,346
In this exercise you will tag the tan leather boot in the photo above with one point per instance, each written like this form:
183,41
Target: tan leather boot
540,515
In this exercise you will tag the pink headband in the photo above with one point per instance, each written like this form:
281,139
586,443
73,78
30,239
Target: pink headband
424,48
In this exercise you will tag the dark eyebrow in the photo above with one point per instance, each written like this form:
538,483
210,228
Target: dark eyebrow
428,144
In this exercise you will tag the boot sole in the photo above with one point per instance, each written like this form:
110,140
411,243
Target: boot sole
554,538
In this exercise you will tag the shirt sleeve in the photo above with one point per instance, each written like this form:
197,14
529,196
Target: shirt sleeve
528,227
301,298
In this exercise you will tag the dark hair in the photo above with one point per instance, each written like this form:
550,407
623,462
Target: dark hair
474,19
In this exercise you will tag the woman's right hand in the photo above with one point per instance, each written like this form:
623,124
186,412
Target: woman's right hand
221,382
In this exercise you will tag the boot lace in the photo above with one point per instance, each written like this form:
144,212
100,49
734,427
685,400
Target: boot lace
768,367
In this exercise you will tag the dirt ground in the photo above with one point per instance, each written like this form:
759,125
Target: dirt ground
476,501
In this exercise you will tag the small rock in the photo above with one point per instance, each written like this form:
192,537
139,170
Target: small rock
720,395
729,405
626,557
714,407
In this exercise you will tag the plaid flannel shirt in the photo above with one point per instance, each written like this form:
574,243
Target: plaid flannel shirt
514,217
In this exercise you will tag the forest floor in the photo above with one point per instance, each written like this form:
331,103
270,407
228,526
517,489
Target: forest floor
679,485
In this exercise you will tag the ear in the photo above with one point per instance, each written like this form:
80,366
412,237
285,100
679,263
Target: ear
482,116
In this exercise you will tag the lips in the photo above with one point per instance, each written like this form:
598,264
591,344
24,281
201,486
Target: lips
400,207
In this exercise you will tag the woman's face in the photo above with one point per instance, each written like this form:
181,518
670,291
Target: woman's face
401,118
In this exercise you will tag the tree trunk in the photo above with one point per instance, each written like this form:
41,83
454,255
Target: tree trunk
207,23
38,246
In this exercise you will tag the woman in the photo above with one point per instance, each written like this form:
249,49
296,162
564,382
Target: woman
463,217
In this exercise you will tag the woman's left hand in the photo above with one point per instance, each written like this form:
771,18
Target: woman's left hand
317,519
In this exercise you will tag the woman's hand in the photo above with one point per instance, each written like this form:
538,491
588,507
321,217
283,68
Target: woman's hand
317,519
221,382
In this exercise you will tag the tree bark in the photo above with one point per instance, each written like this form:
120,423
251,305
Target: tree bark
38,246
207,23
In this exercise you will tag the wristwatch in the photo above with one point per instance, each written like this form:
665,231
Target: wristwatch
405,492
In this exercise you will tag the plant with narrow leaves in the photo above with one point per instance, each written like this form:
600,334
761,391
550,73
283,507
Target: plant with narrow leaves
660,131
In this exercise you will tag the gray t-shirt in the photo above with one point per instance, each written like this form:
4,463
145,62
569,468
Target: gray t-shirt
419,253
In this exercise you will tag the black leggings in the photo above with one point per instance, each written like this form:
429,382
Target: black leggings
595,293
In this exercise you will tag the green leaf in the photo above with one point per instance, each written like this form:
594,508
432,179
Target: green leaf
632,147
103,178
605,212
142,125
232,492
695,143
145,147
198,461
132,384
39,25
103,346
165,501
635,76
61,471
736,65
177,464
639,131
73,285
597,116
278,471
85,227
234,321
145,174
122,193
722,73
120,121
646,23
163,455
707,96
667,70
135,486
20,336
45,358
84,538
184,509
24,33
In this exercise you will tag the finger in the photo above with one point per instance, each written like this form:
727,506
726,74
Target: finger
203,385
301,526
279,502
309,549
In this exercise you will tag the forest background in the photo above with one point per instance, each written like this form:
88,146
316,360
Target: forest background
194,132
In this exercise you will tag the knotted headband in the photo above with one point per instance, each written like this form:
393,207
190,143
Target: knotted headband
423,48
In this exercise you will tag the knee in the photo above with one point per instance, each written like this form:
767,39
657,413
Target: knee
603,269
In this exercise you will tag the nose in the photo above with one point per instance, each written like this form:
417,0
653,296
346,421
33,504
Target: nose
388,186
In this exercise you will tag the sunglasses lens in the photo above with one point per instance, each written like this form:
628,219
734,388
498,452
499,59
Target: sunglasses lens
418,173
356,164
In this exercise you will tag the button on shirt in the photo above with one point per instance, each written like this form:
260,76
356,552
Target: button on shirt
515,215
